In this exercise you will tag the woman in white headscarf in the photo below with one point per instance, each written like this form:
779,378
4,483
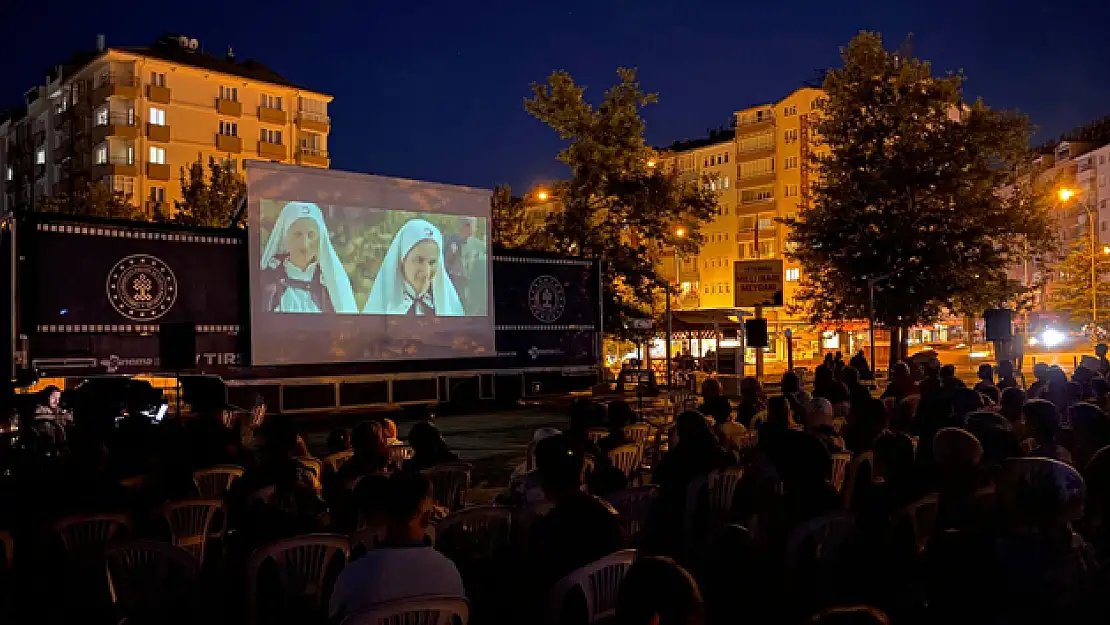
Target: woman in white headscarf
413,279
300,269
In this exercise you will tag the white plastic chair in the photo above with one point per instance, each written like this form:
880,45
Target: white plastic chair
214,482
335,461
90,531
634,506
626,458
302,564
415,611
825,535
145,572
921,517
398,454
599,582
450,482
473,534
523,520
694,491
722,485
637,433
840,464
854,468
190,523
596,434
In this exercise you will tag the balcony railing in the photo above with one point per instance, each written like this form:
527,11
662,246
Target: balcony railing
312,156
115,83
767,116
312,120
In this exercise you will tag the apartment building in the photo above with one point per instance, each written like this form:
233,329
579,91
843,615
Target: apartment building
134,117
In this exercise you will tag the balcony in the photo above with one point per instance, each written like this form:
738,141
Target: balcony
156,93
60,120
755,150
766,233
117,126
272,151
756,178
115,167
153,208
154,132
231,108
116,84
316,122
157,171
228,143
750,125
40,137
271,116
312,156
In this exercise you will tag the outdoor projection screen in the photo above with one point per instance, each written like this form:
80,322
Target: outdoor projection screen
353,268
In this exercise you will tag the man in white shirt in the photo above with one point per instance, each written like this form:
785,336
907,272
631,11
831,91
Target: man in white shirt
402,567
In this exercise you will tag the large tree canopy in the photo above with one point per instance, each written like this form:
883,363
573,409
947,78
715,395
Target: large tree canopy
95,199
909,190
617,206
1071,293
212,199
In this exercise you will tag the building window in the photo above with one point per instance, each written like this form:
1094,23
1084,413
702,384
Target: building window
157,116
791,135
313,109
40,156
726,157
720,159
229,93
706,164
130,155
766,248
230,129
790,162
10,174
157,155
792,275
269,135
791,190
100,155
790,110
124,185
158,79
724,183
100,117
158,194
267,101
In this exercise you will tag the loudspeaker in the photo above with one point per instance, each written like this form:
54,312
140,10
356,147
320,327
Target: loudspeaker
177,346
755,332
999,324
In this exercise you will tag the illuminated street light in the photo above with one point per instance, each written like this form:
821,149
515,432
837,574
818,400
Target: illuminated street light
651,163
680,232
541,194
1065,194
1106,249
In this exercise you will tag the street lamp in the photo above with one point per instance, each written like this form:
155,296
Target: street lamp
651,163
1066,194
871,282
679,233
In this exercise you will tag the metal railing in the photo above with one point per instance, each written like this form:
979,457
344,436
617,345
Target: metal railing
115,79
117,119
766,117
314,116
310,151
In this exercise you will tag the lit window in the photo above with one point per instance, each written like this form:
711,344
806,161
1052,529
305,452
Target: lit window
10,175
158,194
229,93
40,156
157,116
100,155
724,183
158,79
270,101
130,155
230,129
268,135
100,118
157,155
792,275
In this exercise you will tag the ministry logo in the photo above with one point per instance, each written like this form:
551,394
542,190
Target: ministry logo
141,287
547,299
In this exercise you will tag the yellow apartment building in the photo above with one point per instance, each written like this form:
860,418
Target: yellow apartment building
134,117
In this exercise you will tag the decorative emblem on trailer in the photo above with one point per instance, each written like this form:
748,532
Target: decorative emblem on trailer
546,299
141,287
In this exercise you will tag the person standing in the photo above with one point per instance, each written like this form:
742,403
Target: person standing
859,363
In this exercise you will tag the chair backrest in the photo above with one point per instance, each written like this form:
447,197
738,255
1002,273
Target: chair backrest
398,454
694,491
634,506
856,473
523,520
214,482
921,517
450,482
473,534
637,432
338,459
143,571
596,434
416,611
302,565
90,531
190,523
722,487
824,536
840,464
626,458
599,582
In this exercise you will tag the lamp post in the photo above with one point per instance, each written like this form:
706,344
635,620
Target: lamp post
1066,194
871,282
679,233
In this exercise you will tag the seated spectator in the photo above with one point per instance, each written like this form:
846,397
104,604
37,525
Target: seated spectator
402,567
852,615
583,416
338,440
657,591
805,466
791,389
371,455
818,421
1090,432
713,403
867,419
389,432
50,420
986,377
580,527
213,437
1100,392
948,380
1006,377
1010,407
526,486
1043,425
694,452
859,363
901,383
619,414
957,455
428,448
896,479
752,401
964,402
857,392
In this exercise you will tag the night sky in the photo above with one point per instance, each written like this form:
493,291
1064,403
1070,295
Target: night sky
432,90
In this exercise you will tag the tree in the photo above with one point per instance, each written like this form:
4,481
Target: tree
908,194
617,206
95,199
1071,292
507,223
210,200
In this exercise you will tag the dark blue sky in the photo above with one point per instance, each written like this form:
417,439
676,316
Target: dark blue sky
432,90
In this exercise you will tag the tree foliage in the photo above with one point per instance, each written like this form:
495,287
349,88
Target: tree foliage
908,190
209,198
616,207
1071,290
96,199
507,223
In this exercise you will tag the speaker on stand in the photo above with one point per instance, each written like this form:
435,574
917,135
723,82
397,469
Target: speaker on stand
177,351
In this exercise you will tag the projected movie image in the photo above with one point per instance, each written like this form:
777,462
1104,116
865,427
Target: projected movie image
337,282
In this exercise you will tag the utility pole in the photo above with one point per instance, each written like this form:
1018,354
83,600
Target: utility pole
758,309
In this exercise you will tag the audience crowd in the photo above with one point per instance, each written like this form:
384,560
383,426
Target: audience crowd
933,502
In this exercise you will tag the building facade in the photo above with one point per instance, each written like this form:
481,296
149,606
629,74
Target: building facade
135,117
